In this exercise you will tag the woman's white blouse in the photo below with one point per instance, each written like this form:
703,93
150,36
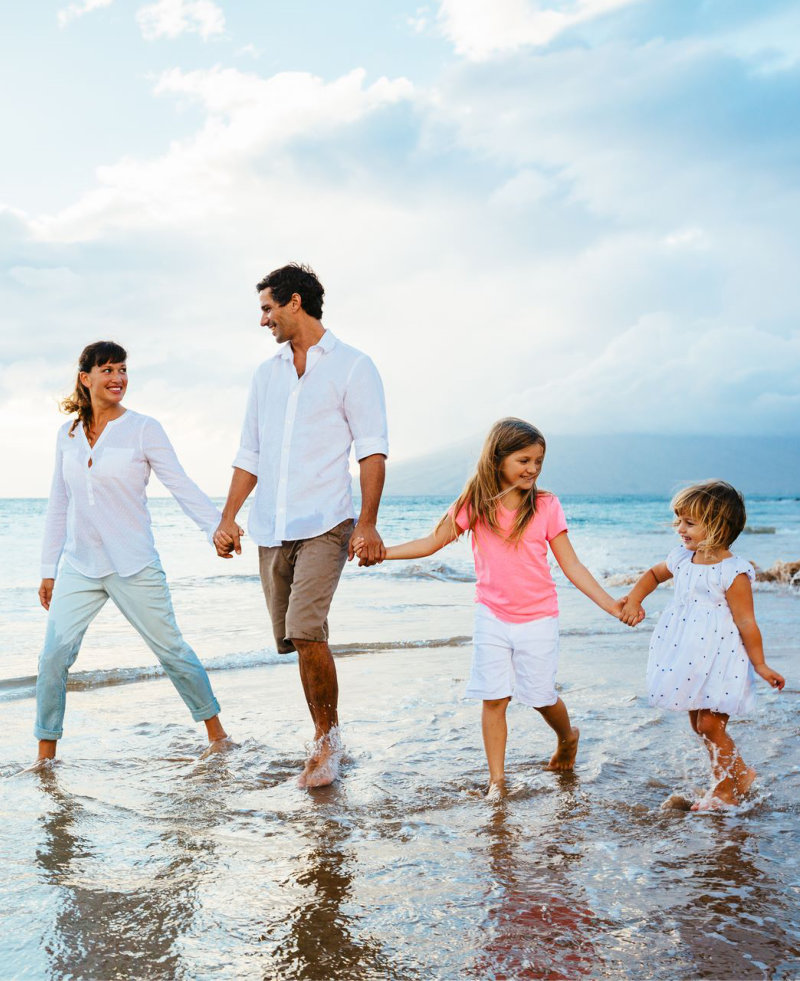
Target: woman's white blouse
97,515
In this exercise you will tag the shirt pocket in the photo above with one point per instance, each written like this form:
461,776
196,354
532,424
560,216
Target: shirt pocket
113,464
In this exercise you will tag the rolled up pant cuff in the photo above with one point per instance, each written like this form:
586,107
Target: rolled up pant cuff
47,733
208,711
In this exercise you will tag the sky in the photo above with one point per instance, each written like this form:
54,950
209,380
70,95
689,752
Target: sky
583,213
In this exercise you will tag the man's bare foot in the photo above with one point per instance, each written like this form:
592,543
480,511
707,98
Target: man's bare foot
223,745
322,765
566,751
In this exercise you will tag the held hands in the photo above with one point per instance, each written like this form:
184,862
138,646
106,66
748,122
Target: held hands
630,612
367,544
227,539
46,593
774,679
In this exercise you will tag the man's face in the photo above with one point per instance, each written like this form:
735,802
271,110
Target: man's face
279,319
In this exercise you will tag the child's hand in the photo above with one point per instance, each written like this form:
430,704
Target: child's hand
772,677
359,545
631,613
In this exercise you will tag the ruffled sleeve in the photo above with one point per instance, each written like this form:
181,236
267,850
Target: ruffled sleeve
677,557
733,567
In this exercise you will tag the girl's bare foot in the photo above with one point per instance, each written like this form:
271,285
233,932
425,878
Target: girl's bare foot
496,790
566,751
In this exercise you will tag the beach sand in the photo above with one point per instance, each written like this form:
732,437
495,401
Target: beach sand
131,859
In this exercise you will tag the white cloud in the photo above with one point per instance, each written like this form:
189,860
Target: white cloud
248,117
479,29
171,18
74,10
48,278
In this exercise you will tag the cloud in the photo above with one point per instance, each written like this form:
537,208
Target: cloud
480,30
250,120
171,18
75,10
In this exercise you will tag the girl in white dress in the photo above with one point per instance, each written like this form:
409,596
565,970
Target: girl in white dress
706,648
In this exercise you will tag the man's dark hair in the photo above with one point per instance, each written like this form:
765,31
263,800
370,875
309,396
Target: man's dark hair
291,279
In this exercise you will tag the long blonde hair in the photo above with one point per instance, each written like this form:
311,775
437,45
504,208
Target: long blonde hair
80,402
483,491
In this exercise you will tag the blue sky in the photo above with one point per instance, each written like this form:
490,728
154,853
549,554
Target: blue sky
584,213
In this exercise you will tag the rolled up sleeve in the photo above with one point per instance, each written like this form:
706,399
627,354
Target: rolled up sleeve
247,456
365,409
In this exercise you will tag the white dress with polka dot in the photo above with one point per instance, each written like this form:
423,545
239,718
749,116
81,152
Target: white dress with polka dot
697,658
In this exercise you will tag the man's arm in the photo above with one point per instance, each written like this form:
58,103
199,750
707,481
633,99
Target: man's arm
228,533
372,475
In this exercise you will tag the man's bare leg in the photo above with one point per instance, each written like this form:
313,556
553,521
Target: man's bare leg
321,688
557,717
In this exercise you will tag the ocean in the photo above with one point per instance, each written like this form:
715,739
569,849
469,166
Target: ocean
131,859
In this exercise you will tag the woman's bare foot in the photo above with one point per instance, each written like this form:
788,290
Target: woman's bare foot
223,745
566,751
322,765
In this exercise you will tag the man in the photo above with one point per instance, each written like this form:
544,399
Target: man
308,404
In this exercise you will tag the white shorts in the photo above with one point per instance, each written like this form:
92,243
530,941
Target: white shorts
514,659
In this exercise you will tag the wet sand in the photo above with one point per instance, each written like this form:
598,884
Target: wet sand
133,860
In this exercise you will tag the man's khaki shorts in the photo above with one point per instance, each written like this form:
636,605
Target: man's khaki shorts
299,579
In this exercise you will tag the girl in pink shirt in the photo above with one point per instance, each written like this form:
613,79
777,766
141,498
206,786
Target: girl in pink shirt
511,523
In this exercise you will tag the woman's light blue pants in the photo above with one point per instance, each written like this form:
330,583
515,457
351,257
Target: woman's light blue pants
144,601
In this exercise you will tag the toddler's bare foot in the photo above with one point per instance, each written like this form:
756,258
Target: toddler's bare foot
744,781
566,751
676,802
322,765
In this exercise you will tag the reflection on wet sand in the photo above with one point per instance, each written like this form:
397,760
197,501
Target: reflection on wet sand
538,922
318,937
732,924
103,929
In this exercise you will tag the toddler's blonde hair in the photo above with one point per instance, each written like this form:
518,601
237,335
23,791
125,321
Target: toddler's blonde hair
717,506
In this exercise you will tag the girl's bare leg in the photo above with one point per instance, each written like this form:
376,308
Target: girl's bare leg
557,717
495,736
732,777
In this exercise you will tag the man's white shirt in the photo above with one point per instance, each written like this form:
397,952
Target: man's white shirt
297,435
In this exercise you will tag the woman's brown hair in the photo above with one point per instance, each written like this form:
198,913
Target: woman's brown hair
101,352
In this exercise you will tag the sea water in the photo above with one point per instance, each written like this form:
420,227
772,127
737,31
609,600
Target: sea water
131,859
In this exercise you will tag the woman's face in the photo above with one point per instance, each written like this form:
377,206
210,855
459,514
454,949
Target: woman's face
106,383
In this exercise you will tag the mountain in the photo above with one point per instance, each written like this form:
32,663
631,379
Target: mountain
622,464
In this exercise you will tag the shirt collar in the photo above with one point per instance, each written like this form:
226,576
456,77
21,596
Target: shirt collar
325,344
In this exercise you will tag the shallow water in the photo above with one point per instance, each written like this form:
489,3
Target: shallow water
131,859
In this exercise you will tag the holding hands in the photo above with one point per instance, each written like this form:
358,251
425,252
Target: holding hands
227,539
631,612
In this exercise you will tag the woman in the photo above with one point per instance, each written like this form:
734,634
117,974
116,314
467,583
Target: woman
98,525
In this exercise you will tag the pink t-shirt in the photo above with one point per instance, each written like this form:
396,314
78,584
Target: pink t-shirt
514,581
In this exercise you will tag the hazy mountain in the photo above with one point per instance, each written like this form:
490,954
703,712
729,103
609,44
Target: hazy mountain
633,464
